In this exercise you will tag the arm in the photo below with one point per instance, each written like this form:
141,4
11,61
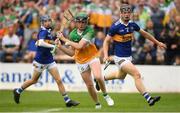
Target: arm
106,47
4,48
151,38
15,48
75,45
69,51
42,43
79,45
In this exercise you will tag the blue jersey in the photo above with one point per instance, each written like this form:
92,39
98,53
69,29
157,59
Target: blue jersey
43,55
122,36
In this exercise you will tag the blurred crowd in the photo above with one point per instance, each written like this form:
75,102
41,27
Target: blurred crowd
19,25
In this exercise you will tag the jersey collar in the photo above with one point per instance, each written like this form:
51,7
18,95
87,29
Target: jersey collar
123,22
43,28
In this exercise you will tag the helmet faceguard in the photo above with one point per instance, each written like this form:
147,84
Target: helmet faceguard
45,18
82,20
81,17
125,8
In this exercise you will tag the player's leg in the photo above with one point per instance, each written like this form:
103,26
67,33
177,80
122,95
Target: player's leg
132,70
96,70
55,73
86,76
33,80
119,74
129,68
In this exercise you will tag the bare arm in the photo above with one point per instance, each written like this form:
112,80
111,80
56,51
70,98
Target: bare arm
69,51
15,48
4,48
151,38
106,47
82,43
42,43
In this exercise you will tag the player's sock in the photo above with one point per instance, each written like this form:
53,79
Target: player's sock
147,96
98,105
105,94
66,98
19,90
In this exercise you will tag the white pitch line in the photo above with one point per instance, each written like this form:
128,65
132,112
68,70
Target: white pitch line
51,110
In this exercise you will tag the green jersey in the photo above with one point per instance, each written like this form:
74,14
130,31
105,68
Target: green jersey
88,52
88,34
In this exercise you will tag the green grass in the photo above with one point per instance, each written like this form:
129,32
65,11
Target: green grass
44,101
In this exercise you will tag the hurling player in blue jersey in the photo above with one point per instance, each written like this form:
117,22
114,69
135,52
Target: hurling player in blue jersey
121,34
44,60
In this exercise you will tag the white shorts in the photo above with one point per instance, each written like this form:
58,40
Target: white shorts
41,67
86,66
120,61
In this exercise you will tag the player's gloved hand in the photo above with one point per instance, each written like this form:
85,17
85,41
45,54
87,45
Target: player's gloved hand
57,42
106,59
53,51
36,44
107,62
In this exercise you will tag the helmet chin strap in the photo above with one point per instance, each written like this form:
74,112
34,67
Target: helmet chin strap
49,28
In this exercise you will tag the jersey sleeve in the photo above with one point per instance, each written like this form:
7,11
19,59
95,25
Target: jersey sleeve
89,35
42,34
112,31
136,27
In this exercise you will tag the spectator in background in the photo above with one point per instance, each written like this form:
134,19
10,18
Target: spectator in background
148,54
8,16
29,17
173,8
171,38
143,10
104,19
99,39
31,49
138,41
157,17
51,6
10,45
114,6
177,35
92,9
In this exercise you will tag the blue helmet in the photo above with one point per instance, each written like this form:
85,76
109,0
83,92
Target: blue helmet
44,18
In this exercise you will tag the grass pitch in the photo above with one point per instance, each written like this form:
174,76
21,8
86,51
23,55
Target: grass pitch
49,101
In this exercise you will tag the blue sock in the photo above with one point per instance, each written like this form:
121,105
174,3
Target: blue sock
66,98
147,96
19,90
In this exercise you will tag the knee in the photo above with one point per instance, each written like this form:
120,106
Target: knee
137,75
99,78
89,86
